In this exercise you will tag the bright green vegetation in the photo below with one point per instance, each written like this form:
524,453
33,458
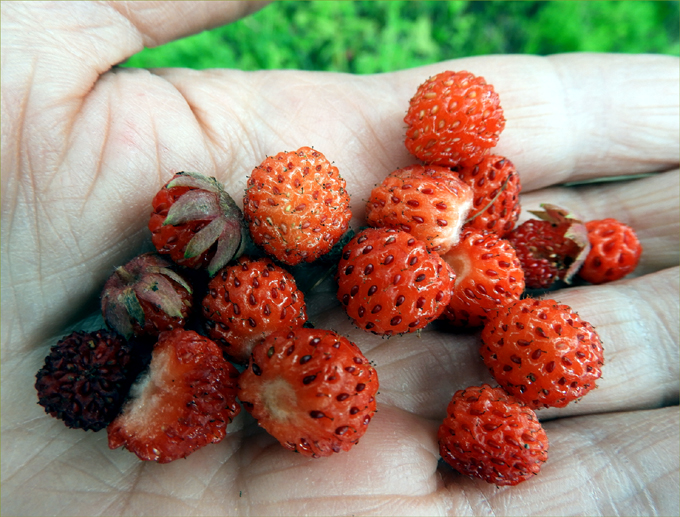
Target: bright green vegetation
381,36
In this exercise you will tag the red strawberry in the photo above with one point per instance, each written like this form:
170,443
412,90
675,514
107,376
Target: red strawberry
488,277
85,379
454,119
550,249
496,188
197,223
146,297
542,352
311,389
429,202
490,435
390,283
615,251
296,205
249,300
184,401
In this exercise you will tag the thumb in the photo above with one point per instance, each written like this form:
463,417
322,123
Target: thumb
54,52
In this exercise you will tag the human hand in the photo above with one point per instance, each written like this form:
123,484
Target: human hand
85,147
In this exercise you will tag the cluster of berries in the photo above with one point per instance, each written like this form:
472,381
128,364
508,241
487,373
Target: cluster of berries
441,244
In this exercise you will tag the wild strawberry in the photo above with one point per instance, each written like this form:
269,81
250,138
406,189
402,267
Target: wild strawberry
551,248
296,205
389,283
496,187
184,401
85,379
614,253
488,277
311,389
490,435
453,119
429,202
249,300
542,352
145,297
197,223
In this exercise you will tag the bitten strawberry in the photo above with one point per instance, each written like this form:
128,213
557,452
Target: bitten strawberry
429,202
542,352
197,223
311,389
296,205
614,251
453,119
490,435
184,401
85,379
488,277
249,300
145,297
496,187
550,248
389,283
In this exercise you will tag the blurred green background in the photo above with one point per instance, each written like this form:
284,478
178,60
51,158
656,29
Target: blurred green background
381,36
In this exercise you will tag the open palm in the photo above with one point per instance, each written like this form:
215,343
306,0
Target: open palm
86,146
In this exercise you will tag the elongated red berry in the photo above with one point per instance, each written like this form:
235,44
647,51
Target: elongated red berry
311,389
542,352
247,301
197,223
184,402
454,118
488,277
296,205
490,435
614,253
389,283
429,202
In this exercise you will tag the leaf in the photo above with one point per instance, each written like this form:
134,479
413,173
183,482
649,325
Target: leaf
230,245
205,238
195,180
157,289
192,206
117,316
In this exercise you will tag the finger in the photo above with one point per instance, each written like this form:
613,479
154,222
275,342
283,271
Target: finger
56,51
636,320
623,463
568,117
161,22
650,206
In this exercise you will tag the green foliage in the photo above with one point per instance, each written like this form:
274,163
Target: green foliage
382,36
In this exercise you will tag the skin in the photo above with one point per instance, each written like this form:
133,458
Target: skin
85,147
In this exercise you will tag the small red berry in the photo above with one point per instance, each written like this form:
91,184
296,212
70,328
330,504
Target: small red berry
184,402
296,205
454,118
488,277
311,389
247,301
542,352
389,283
197,223
615,251
429,202
495,185
145,297
490,435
